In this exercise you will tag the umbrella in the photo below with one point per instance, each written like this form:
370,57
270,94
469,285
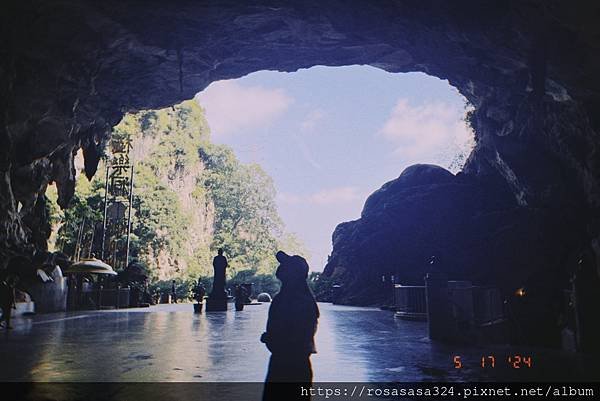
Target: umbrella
92,265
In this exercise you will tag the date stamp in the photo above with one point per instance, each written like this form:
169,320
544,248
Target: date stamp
491,361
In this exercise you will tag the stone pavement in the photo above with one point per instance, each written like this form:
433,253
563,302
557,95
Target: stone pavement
167,343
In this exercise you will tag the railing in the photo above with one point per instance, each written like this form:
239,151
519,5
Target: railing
410,302
461,297
98,298
480,305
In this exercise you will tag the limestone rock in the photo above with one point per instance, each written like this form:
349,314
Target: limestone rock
475,230
70,69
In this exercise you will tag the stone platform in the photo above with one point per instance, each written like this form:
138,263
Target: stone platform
216,305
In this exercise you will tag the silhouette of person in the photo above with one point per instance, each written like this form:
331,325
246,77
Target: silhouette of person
200,292
7,298
291,327
173,292
219,265
240,296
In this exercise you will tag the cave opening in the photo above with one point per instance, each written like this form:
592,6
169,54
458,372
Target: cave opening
522,214
326,137
331,136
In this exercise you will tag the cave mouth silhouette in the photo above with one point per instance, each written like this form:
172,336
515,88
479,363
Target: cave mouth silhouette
291,122
529,193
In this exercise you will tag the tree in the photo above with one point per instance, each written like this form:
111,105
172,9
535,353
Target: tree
190,198
247,224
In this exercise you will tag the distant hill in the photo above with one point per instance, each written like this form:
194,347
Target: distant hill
190,197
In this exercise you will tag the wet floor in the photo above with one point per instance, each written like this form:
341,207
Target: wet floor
171,343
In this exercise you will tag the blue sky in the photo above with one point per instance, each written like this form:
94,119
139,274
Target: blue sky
330,136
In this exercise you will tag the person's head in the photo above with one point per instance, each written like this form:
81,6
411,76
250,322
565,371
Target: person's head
292,270
173,281
220,251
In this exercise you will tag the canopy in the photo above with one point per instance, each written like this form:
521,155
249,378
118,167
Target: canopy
92,265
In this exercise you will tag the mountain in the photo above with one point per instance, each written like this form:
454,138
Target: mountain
191,197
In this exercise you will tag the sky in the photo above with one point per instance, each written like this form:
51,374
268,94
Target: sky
330,136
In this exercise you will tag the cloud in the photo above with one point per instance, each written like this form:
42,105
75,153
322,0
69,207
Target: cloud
306,151
335,195
432,132
307,126
308,154
324,197
233,108
312,118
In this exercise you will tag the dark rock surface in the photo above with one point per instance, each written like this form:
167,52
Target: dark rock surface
528,195
475,230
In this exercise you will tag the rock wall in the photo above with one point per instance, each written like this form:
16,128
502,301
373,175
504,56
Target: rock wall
429,220
70,69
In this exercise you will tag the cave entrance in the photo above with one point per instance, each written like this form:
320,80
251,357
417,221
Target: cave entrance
166,56
331,136
529,200
317,142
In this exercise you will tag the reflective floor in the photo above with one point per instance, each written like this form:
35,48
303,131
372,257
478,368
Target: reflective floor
171,343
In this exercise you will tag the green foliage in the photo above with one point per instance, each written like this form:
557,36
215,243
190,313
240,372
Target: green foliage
320,285
159,221
291,244
469,117
246,221
261,282
81,220
183,288
458,161
191,197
